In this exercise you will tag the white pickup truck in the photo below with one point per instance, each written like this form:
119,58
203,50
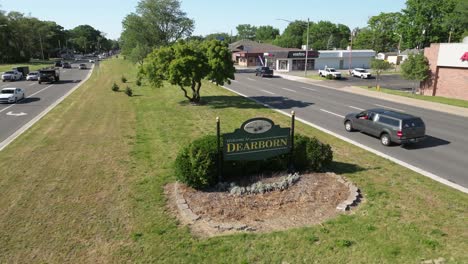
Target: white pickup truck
330,72
362,73
12,76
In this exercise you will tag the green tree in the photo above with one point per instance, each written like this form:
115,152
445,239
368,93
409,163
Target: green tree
186,64
292,36
139,53
266,34
415,68
155,23
246,31
379,66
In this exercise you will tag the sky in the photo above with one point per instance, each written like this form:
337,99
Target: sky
211,16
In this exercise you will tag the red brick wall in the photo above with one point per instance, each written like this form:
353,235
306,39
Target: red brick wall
453,82
431,54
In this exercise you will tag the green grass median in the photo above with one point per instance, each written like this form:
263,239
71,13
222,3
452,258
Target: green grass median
85,184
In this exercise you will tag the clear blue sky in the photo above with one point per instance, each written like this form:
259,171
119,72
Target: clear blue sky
211,16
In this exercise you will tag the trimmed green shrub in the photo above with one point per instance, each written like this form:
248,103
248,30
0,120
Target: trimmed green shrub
128,91
123,79
196,163
310,154
138,82
115,87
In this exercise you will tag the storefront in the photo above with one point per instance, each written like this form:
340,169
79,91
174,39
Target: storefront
291,60
448,64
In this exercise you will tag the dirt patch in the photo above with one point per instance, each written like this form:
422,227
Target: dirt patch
312,200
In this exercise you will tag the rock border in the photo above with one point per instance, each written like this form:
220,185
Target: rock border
186,213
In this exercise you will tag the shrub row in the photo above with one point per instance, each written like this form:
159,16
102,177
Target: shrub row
196,164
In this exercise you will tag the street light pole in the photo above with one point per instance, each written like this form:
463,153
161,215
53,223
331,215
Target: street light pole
307,49
42,49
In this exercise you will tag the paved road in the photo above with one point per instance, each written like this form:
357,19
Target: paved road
38,98
444,153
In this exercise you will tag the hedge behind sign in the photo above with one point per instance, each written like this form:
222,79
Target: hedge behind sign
256,139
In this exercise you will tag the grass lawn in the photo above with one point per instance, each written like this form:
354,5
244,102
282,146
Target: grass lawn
85,184
436,99
32,66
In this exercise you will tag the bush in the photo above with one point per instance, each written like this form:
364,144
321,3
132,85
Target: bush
195,164
310,154
128,91
124,80
329,77
115,87
138,82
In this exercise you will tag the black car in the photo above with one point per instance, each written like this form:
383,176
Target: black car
264,71
390,126
48,75
66,65
58,64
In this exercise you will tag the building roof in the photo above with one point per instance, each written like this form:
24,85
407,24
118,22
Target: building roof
250,46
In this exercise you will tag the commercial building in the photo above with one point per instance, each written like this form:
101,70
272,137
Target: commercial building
248,53
448,64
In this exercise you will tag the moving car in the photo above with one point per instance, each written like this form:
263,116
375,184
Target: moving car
12,76
264,71
49,75
360,72
66,65
58,64
82,66
91,61
32,76
11,95
23,69
390,126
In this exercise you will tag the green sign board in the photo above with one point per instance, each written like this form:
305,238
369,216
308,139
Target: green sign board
256,139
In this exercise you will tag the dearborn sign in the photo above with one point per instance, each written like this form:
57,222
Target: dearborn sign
256,139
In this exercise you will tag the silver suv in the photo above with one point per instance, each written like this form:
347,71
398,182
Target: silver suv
389,126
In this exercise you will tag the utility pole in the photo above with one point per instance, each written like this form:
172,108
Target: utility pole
42,49
307,49
450,35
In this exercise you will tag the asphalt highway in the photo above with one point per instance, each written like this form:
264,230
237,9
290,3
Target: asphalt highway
444,153
37,98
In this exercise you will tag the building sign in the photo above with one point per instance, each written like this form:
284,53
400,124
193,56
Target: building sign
256,139
301,54
464,57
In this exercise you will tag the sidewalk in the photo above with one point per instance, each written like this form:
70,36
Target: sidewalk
455,110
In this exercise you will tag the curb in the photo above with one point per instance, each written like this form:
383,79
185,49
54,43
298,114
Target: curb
378,153
33,121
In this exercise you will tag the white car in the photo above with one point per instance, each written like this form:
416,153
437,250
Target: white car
12,76
11,95
32,76
91,61
362,73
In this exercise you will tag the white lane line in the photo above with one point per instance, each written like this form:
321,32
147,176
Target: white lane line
307,88
381,154
357,108
250,79
384,106
31,84
25,98
335,114
268,92
289,90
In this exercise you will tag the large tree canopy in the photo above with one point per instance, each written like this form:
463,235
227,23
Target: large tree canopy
155,23
186,64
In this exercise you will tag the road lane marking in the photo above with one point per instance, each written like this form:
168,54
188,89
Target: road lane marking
335,114
16,114
346,139
357,108
31,84
307,88
267,91
289,90
47,87
384,106
250,79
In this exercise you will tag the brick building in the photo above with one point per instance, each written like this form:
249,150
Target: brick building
448,63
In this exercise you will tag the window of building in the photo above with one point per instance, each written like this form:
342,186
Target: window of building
283,65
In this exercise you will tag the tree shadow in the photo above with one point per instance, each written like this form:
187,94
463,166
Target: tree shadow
429,142
343,168
279,102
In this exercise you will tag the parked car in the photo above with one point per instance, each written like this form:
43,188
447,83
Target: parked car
389,126
32,76
82,66
66,65
330,72
362,73
49,75
12,76
11,95
264,71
